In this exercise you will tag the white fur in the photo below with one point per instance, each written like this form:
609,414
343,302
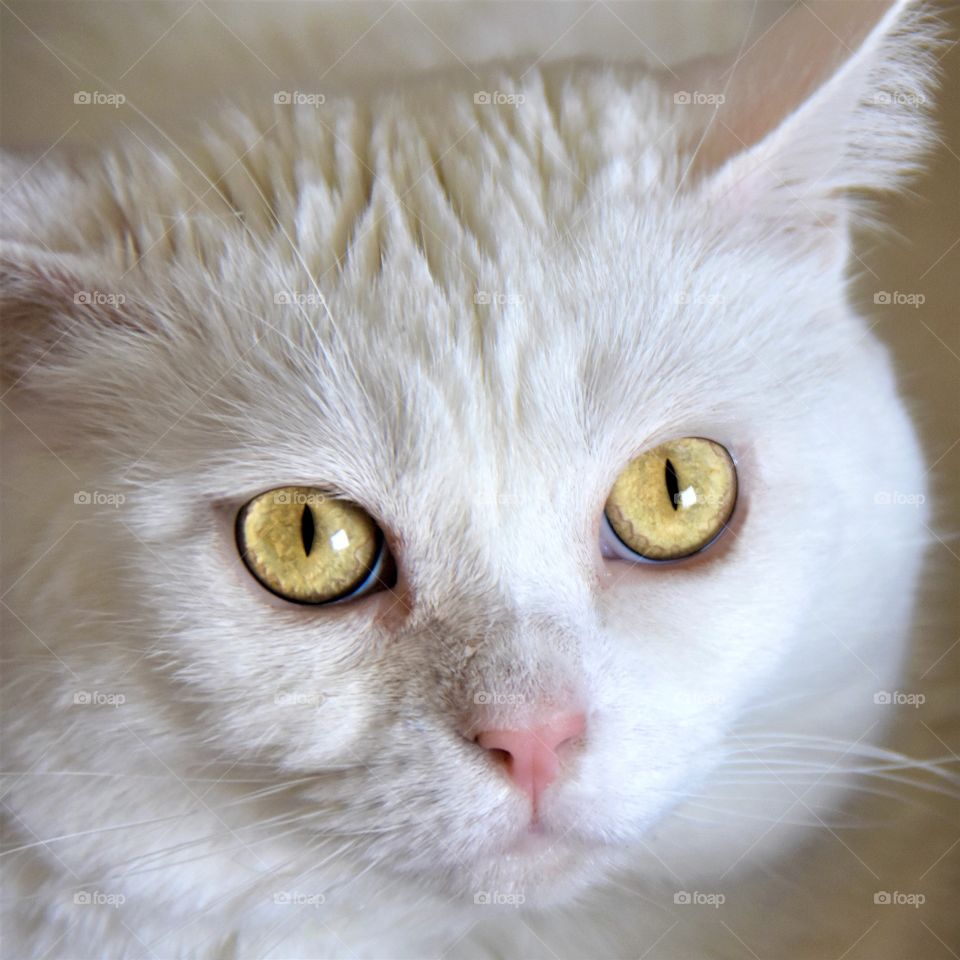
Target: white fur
266,751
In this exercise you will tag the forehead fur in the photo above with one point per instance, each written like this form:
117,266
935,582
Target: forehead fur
355,183
506,276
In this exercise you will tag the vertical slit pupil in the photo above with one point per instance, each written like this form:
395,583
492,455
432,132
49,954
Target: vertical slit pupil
673,485
307,529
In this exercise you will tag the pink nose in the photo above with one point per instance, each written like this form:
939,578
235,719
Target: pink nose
530,754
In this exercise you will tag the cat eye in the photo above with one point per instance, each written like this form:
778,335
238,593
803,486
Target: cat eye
672,501
311,548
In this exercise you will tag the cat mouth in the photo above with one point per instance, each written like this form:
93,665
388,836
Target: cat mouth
544,867
533,840
538,845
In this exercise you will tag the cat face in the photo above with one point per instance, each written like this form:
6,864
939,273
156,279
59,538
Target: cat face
505,610
483,358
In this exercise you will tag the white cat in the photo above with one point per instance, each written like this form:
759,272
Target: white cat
464,329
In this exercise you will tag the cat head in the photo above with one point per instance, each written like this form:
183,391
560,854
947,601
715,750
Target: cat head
467,313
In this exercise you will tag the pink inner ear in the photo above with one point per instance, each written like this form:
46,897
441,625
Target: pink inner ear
777,71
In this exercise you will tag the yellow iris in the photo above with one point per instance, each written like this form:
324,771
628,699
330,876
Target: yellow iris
673,500
305,546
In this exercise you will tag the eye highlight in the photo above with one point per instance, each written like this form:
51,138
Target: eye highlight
673,500
310,548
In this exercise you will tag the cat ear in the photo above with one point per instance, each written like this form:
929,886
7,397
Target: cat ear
832,99
45,297
52,292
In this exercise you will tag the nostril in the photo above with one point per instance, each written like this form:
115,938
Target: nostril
502,758
528,755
